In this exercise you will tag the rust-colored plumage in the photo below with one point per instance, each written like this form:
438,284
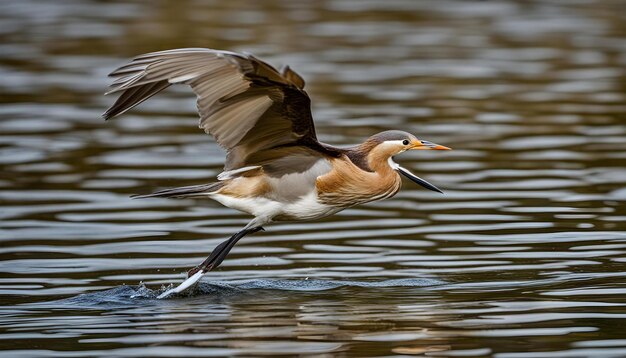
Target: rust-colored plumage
348,185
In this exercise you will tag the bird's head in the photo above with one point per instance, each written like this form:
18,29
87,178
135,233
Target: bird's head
384,145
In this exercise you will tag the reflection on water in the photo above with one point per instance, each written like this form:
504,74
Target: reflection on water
522,257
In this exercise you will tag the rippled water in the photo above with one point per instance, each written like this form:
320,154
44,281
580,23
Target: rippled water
524,256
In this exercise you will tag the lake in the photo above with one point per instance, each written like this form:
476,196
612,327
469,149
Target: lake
523,256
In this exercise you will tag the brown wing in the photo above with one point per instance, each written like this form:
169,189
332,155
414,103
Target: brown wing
246,104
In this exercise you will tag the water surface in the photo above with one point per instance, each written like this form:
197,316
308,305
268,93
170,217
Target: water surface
524,255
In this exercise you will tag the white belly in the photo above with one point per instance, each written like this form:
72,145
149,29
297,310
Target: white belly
306,207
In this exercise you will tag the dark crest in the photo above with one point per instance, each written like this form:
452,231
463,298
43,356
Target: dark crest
389,135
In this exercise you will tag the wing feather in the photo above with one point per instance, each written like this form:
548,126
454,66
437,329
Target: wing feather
134,96
244,103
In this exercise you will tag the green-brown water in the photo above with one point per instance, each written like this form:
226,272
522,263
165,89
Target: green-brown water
524,256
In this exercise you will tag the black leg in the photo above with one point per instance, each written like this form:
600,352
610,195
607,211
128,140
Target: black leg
219,253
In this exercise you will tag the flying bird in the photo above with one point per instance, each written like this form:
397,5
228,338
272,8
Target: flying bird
275,169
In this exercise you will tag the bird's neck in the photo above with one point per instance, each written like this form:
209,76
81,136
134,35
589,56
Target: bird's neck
379,162
371,157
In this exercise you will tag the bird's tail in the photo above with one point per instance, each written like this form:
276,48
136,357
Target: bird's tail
183,192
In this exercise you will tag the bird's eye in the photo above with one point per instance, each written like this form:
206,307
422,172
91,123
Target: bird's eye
405,142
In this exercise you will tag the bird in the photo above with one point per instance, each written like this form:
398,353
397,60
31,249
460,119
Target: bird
275,168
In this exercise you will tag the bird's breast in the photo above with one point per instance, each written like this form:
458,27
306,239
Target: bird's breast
348,185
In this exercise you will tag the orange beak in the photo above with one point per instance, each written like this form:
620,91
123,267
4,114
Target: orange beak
424,144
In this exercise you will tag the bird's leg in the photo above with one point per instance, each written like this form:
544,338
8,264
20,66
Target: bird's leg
215,259
219,253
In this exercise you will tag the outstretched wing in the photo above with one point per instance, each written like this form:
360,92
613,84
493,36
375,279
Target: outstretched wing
246,104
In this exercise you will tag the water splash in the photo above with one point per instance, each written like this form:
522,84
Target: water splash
127,295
